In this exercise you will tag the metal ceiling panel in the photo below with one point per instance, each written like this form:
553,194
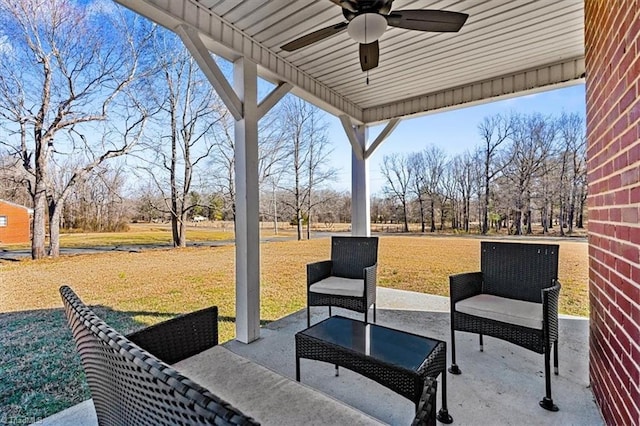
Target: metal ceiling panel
502,39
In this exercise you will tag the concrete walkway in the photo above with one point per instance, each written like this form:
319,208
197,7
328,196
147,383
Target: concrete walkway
500,386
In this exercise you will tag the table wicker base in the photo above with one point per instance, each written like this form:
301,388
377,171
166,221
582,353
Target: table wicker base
408,382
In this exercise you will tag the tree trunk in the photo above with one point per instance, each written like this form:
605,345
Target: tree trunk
174,230
433,215
182,230
275,212
572,208
39,219
422,224
466,214
299,224
54,228
406,219
579,219
518,222
309,204
485,204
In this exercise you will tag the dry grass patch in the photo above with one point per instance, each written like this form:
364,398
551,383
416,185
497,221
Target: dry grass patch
137,289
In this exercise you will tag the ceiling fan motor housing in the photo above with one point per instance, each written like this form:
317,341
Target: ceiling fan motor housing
367,27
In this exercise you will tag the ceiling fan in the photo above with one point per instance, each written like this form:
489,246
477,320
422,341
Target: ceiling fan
368,19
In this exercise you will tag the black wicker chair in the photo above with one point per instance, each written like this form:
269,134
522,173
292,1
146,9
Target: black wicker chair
513,298
348,280
129,386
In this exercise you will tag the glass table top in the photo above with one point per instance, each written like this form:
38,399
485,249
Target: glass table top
382,343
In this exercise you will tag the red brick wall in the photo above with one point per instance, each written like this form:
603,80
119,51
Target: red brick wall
18,229
612,39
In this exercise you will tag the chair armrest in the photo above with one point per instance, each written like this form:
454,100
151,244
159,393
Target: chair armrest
550,300
462,286
180,337
370,281
318,271
426,411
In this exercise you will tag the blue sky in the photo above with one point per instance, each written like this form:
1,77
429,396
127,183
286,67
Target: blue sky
453,131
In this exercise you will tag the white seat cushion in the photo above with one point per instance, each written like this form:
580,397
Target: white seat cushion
265,395
339,286
511,311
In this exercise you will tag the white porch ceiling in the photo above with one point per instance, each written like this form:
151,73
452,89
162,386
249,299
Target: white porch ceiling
504,48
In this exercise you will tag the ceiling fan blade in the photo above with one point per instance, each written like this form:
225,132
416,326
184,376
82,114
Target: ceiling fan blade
369,54
315,37
427,20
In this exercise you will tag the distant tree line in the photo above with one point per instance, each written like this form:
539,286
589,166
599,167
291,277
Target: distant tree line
526,168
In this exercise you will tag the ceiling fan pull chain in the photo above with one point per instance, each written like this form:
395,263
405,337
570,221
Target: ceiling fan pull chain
367,77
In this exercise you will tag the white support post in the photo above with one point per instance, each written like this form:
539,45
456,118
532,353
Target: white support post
360,199
360,196
245,81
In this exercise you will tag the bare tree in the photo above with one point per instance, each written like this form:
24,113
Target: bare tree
572,141
12,186
98,204
63,67
308,150
464,174
418,184
435,159
546,187
318,169
532,143
146,199
190,112
272,152
494,131
398,177
222,165
272,155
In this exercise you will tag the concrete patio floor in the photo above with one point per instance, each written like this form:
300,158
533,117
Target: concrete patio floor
500,386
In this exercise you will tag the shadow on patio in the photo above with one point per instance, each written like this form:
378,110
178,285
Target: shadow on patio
501,385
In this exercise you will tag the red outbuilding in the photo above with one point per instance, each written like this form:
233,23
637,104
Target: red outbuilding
15,223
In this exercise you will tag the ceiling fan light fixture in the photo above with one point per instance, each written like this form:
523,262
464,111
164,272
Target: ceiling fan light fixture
367,27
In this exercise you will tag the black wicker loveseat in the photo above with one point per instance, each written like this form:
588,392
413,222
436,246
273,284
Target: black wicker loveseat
514,298
130,386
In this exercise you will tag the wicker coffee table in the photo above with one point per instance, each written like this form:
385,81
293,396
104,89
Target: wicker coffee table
396,359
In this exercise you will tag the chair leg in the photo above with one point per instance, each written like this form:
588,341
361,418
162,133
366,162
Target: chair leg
547,401
454,367
555,357
481,344
443,415
366,316
308,316
329,310
374,312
